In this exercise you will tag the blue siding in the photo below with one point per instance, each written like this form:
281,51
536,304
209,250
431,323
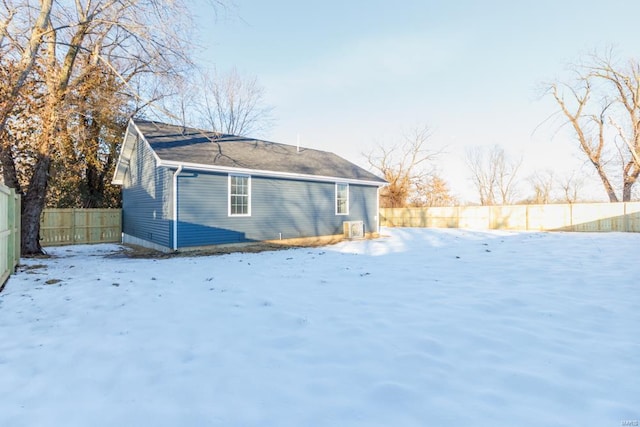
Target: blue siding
146,197
279,207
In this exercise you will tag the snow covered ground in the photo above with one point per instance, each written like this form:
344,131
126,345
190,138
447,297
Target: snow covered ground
424,327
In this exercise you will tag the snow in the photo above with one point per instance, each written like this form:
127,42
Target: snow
421,327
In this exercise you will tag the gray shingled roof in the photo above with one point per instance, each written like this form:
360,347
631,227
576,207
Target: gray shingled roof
187,145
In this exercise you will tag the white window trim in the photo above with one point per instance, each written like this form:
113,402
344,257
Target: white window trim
229,194
336,198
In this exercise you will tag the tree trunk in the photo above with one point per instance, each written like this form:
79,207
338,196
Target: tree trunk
32,206
627,186
9,173
631,173
613,198
93,184
626,191
94,192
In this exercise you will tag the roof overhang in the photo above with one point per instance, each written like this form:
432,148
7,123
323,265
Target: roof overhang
128,145
265,173
123,159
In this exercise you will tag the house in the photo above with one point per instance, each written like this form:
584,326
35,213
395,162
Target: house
185,188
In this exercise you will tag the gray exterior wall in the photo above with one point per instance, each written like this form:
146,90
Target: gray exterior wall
146,197
279,208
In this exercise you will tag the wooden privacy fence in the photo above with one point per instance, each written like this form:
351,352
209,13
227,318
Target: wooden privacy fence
561,217
9,232
79,226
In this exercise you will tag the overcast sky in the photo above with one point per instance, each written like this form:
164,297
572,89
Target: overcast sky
347,75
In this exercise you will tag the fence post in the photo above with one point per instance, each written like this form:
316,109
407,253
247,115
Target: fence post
73,226
625,218
17,227
491,226
571,217
11,222
9,232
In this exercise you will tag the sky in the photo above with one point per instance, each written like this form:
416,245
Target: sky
348,76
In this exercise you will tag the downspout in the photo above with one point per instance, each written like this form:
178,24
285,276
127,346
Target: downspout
378,210
175,207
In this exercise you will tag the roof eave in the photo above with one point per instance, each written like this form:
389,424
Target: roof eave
124,156
275,174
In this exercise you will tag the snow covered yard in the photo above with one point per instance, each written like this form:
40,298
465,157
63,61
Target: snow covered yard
425,327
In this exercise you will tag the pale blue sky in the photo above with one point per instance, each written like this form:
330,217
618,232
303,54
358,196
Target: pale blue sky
348,75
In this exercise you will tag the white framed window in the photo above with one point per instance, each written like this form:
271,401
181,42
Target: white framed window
342,199
239,195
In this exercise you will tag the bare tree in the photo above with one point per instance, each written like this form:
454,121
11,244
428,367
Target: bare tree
232,103
404,166
542,183
602,105
571,186
625,87
128,38
493,175
547,187
229,103
21,35
483,179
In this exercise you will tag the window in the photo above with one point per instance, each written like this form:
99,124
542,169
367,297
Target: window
239,195
342,199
